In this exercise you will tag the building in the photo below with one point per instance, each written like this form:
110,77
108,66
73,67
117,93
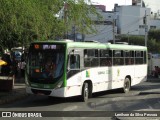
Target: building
127,20
135,19
131,19
124,20
105,27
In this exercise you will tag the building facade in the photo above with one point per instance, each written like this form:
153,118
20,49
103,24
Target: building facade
135,19
132,19
105,27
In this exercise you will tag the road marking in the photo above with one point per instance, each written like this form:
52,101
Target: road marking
70,108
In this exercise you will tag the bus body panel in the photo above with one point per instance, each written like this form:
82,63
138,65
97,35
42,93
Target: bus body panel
98,76
101,80
60,92
140,74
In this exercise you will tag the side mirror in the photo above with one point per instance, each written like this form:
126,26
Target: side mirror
68,69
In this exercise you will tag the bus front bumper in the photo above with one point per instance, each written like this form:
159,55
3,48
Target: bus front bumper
49,92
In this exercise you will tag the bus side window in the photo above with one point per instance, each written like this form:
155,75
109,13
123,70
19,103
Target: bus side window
118,57
105,57
74,62
145,57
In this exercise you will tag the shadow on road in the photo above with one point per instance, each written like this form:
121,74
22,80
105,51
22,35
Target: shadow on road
126,105
39,101
145,87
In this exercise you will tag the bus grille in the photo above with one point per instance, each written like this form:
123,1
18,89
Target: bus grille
45,92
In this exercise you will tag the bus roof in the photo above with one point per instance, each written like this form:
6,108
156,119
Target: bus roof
72,44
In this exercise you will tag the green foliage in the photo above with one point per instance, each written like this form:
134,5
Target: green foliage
154,34
78,15
133,40
154,40
23,21
152,44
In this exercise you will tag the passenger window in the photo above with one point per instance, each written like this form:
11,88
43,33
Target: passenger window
105,58
91,58
139,57
118,57
129,57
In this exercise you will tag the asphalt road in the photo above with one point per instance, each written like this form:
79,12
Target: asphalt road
142,97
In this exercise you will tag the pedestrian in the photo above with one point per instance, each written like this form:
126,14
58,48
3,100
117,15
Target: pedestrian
22,67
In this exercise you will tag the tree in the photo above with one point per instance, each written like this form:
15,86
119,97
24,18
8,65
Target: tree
24,21
153,46
132,39
154,34
82,18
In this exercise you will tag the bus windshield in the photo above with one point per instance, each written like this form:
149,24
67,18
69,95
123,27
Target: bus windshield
45,64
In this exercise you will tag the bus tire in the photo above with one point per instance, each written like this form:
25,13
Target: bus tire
85,92
126,85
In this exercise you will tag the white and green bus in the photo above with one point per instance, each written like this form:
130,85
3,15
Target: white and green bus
83,68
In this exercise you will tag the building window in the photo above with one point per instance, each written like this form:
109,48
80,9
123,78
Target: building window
152,27
103,22
141,26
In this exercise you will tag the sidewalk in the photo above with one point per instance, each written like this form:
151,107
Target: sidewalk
17,93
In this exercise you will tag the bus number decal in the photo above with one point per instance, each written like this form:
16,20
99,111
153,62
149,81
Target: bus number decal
101,72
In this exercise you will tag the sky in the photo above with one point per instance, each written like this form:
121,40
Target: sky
110,3
153,4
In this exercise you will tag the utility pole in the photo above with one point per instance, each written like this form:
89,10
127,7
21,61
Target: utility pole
128,37
146,29
113,31
113,24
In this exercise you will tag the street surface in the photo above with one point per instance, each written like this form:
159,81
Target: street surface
143,97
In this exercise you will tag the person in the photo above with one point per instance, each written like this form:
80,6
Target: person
22,67
15,67
155,72
73,65
49,69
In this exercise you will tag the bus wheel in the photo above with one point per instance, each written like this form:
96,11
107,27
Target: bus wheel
127,85
85,92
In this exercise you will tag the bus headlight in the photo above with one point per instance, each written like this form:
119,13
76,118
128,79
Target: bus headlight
59,85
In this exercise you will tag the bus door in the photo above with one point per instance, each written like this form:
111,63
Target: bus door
73,69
